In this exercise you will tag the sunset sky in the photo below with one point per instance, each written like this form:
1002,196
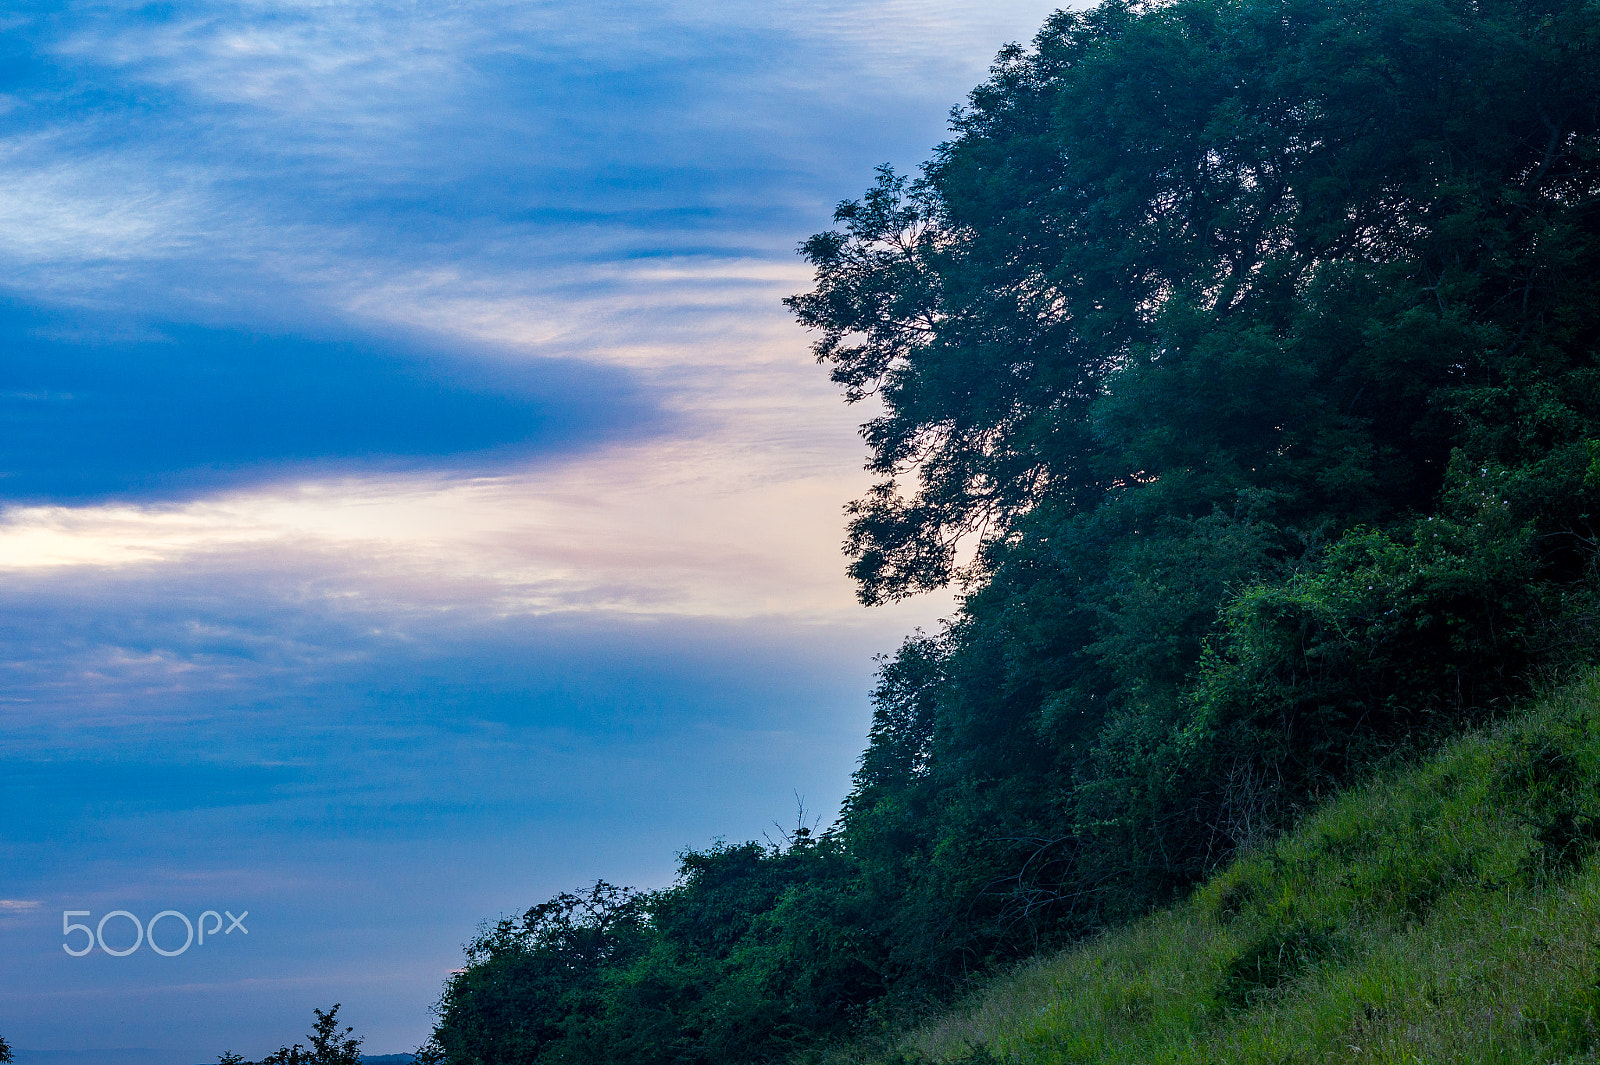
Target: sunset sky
416,499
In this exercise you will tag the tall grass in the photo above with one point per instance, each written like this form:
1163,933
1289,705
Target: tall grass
1448,914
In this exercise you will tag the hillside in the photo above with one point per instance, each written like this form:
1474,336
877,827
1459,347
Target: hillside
1236,360
1448,914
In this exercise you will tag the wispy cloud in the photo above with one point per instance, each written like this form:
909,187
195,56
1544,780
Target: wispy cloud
643,530
278,134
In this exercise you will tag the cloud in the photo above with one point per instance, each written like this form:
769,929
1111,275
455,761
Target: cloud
186,409
639,530
237,144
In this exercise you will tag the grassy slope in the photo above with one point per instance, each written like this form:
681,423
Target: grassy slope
1449,915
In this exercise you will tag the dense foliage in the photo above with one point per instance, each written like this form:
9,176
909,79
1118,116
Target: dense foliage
1443,913
1239,358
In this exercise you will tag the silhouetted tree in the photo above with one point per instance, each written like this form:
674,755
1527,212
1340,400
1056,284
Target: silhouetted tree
329,1046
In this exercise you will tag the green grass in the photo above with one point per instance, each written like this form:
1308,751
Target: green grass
1449,914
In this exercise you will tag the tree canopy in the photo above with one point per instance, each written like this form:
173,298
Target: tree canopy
1179,254
1253,343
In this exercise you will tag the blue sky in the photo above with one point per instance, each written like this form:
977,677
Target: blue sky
416,501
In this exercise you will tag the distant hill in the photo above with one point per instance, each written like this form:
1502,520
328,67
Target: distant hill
114,1056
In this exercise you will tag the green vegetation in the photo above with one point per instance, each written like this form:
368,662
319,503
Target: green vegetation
329,1046
1238,360
1450,914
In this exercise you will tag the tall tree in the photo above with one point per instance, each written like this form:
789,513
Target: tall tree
1179,254
1251,345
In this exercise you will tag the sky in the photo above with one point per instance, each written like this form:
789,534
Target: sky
415,500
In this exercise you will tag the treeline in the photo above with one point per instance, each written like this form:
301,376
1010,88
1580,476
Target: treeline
1251,346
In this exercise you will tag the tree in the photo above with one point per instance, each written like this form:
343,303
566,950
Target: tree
531,982
1251,346
329,1046
1179,252
5,1051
